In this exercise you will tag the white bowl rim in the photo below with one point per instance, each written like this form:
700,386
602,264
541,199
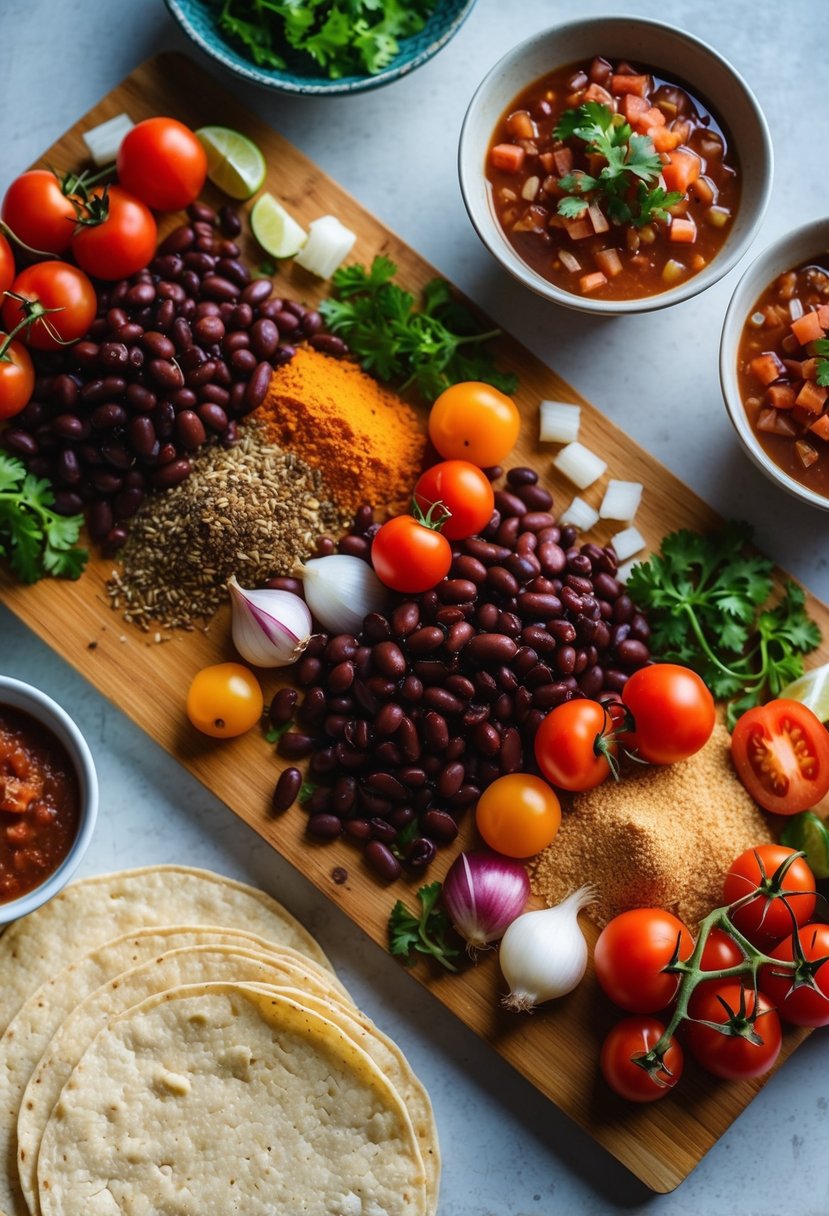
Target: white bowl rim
725,260
774,260
49,713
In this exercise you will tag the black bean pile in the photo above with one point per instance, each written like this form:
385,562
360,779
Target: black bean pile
408,723
177,355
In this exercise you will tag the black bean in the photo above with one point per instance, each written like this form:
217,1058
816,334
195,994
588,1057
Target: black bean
229,220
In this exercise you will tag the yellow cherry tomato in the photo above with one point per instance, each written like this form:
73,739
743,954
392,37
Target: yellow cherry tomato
475,422
224,700
518,815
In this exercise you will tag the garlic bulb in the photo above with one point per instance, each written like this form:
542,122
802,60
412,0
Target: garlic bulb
270,628
543,954
341,591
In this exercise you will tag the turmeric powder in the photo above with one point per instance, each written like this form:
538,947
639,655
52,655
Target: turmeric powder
366,442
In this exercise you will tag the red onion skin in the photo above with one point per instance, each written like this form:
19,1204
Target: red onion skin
483,894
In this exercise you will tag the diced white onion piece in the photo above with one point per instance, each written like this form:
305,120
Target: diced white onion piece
621,500
795,308
623,573
329,242
579,515
569,260
627,542
104,140
582,466
559,422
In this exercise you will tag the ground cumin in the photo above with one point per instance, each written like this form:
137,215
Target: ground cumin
367,443
661,837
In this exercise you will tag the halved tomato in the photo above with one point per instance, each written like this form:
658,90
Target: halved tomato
781,754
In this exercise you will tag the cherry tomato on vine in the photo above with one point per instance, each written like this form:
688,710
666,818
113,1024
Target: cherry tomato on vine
632,1038
465,492
7,269
474,421
17,378
56,285
162,162
572,745
733,1057
518,815
719,953
410,556
781,753
673,711
38,211
767,919
122,242
805,1006
224,700
631,954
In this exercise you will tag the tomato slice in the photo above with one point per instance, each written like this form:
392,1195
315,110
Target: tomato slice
781,754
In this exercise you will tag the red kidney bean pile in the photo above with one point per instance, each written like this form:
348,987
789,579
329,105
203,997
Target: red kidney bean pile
177,354
407,723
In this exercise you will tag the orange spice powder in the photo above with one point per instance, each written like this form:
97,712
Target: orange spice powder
367,443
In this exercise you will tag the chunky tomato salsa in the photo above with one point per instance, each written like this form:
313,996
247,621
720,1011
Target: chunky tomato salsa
39,803
611,181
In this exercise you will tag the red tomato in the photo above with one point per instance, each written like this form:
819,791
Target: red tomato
781,754
730,1056
38,212
628,1041
518,815
55,285
768,917
631,954
17,379
122,243
7,270
805,1006
161,162
673,711
474,421
408,556
465,492
719,953
571,745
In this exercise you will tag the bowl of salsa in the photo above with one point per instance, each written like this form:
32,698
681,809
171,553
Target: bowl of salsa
48,798
615,165
774,362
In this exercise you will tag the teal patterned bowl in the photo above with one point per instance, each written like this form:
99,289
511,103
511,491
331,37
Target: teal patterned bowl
198,20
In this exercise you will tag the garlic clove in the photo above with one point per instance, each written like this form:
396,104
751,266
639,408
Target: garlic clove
270,628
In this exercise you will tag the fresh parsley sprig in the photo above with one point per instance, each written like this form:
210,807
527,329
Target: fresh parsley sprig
704,597
431,347
822,351
425,933
624,184
34,538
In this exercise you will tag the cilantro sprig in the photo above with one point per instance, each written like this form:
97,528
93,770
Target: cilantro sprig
34,538
821,348
705,596
623,186
425,933
431,347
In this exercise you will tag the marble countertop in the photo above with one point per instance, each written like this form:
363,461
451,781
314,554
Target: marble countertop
507,1151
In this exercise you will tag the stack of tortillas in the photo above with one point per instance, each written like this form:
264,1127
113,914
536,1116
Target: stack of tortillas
176,1043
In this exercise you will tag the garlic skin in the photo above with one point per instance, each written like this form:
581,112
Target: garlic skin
270,628
543,954
341,591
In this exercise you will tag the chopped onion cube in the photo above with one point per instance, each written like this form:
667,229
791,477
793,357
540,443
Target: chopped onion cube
621,500
579,464
627,542
329,242
559,422
579,515
569,261
624,571
104,140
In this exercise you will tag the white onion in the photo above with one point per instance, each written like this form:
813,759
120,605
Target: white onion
621,500
579,515
579,464
105,140
270,628
341,591
627,542
624,572
559,422
328,243
543,954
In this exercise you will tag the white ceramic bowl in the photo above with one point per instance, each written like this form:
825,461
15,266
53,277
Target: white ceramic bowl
789,251
43,709
681,58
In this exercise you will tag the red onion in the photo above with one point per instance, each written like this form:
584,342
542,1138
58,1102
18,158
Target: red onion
483,894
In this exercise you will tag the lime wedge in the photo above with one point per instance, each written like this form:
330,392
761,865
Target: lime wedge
810,834
812,689
276,231
234,163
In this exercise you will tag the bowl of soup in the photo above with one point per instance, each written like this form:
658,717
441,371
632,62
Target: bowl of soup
615,165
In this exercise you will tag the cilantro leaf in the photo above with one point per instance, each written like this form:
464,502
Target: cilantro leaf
34,539
822,351
425,933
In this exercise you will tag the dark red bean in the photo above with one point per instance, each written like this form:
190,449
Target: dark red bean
355,546
229,267
502,581
190,431
389,659
229,220
258,386
341,677
523,566
442,700
257,292
632,653
172,474
439,825
329,344
342,646
425,640
547,696
522,475
215,287
536,498
381,859
490,649
510,505
459,635
435,731
287,789
451,779
283,706
264,338
293,745
323,826
485,552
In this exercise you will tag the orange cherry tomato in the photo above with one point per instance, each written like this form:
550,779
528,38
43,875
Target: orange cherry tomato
224,700
409,556
474,421
518,815
59,286
781,753
120,244
162,162
17,379
464,490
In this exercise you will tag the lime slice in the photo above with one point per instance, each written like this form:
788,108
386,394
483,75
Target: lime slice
809,833
234,163
812,689
276,231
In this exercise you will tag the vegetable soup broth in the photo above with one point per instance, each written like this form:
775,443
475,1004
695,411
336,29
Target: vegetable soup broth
650,260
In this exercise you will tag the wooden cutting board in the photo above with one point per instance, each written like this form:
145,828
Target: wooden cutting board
557,1048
